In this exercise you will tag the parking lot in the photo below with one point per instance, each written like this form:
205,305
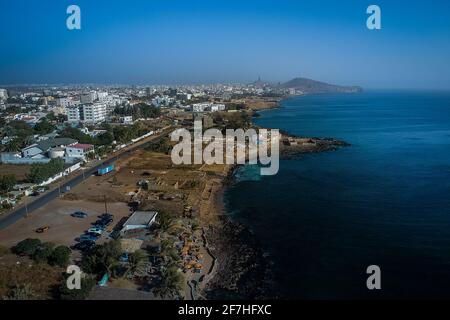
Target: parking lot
63,227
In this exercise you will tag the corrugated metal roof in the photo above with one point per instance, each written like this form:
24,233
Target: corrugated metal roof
51,143
141,218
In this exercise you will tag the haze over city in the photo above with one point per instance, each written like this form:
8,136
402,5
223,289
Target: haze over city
179,42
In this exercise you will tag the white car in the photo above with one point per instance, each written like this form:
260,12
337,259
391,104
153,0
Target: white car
95,230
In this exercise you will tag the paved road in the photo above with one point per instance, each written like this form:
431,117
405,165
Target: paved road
15,216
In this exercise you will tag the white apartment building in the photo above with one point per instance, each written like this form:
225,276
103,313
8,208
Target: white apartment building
94,113
126,120
216,107
206,106
90,113
199,107
102,96
63,102
74,113
3,94
88,97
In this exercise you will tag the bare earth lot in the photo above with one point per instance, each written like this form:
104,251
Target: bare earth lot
63,228
179,190
20,171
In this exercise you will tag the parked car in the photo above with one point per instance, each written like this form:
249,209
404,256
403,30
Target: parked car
103,223
87,237
93,234
96,230
99,224
42,229
106,216
107,221
79,214
83,246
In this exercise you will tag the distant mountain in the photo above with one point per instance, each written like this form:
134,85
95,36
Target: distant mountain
312,86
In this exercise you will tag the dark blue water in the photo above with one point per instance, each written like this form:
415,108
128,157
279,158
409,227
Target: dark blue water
385,200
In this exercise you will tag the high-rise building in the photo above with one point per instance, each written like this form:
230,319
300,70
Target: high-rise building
74,113
102,96
94,113
88,97
90,113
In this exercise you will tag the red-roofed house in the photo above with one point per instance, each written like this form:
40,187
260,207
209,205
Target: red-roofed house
79,150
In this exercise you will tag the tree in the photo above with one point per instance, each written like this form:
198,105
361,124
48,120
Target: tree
105,139
43,252
24,292
44,127
102,258
50,116
27,247
161,145
19,128
171,283
165,221
7,182
41,172
76,134
60,256
141,110
168,251
14,145
87,283
135,259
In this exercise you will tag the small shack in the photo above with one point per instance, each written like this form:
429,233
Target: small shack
139,220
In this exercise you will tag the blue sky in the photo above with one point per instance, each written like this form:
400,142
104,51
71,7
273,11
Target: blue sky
172,42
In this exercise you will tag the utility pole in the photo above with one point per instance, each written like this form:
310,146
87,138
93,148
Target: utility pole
106,206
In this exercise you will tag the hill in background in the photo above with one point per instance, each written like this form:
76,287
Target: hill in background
312,86
306,85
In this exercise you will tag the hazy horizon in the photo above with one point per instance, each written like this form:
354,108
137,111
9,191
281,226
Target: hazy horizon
204,42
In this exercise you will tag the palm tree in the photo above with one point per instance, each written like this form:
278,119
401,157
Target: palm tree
135,260
13,146
165,221
171,283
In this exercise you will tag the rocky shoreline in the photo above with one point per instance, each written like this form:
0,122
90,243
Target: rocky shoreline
244,270
293,147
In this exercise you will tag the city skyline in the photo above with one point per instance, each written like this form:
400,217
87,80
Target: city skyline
226,42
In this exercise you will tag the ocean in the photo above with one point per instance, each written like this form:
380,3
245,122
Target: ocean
385,200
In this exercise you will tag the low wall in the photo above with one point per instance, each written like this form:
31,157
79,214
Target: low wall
72,168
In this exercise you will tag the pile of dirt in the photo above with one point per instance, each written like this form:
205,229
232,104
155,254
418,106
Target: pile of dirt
71,197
